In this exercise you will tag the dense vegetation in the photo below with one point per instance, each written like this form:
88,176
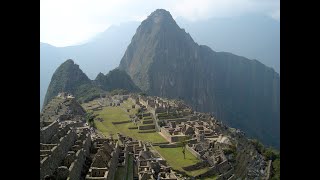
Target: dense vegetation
270,154
90,116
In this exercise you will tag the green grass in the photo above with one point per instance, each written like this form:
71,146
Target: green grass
214,177
110,114
176,160
154,137
117,114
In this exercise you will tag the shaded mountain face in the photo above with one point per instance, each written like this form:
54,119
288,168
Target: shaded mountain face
69,78
163,60
116,79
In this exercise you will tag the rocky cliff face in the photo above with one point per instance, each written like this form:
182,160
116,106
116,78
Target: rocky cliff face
163,60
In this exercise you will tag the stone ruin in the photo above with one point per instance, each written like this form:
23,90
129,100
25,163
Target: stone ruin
62,155
208,138
148,166
61,108
70,150
105,160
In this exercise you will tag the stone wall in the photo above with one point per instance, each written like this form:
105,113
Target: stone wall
76,166
177,120
147,121
212,171
170,145
146,127
223,166
148,131
195,153
227,175
165,134
159,110
47,146
147,118
233,177
177,138
75,124
121,122
146,114
47,132
86,145
114,162
169,137
196,166
102,172
126,161
268,169
49,164
158,144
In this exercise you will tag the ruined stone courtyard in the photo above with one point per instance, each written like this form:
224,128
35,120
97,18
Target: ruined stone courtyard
141,137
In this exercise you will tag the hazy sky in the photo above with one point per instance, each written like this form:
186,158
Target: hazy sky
69,22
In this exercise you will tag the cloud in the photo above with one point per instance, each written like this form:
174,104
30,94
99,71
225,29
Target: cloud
66,22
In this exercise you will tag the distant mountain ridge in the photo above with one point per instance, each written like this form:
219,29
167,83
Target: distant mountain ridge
163,60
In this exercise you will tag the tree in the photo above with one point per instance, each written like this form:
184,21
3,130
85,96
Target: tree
183,141
90,118
258,145
276,170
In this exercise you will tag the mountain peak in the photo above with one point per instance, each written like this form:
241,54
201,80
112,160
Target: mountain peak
69,61
66,77
160,12
160,16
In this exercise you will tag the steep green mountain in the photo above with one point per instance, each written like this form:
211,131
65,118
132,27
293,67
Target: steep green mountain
116,79
163,60
69,78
